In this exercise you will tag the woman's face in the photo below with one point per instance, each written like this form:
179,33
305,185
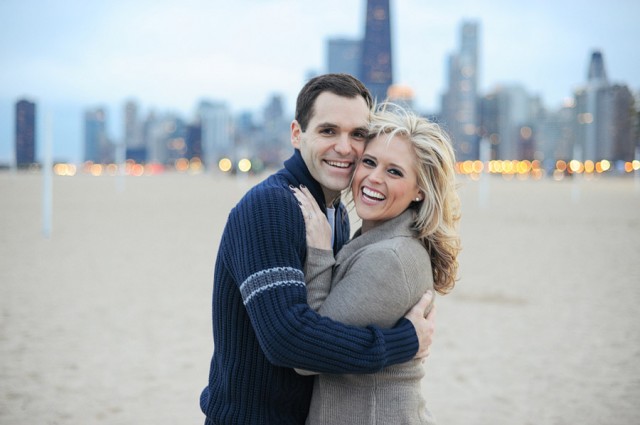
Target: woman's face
385,181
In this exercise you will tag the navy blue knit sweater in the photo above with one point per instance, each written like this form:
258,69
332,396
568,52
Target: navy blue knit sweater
262,325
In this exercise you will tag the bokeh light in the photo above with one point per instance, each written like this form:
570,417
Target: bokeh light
225,165
244,165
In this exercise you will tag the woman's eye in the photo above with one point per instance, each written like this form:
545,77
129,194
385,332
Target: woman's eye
395,172
369,162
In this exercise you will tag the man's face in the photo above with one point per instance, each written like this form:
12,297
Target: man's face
334,140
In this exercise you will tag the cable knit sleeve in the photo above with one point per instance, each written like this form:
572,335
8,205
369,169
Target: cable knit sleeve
264,245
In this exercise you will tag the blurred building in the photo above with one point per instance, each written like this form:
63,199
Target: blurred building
165,138
460,101
133,140
508,117
377,65
344,56
216,124
97,146
556,135
193,139
605,117
246,135
25,148
274,145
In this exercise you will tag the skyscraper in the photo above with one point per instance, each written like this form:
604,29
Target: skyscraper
215,121
344,55
507,117
133,140
377,65
275,145
97,147
25,133
459,103
604,116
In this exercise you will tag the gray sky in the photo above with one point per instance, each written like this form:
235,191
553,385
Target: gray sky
169,54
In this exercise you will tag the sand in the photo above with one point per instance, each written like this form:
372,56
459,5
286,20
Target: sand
108,320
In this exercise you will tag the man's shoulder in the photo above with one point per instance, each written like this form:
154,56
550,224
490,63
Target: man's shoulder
273,188
270,200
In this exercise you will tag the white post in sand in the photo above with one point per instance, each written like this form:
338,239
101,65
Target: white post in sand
577,177
47,178
636,173
485,157
121,162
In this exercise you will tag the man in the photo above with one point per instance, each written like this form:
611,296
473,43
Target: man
262,325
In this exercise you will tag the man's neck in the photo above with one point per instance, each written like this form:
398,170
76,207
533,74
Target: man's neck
330,197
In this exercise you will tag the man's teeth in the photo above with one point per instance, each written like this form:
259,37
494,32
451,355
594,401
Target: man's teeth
372,194
339,164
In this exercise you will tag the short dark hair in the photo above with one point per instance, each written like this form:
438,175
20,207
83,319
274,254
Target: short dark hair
345,85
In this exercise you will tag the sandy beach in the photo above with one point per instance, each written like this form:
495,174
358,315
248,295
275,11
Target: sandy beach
107,321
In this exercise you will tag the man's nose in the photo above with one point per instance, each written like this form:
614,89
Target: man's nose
343,145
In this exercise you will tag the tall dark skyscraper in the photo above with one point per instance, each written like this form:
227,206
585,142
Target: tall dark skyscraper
25,133
377,66
597,71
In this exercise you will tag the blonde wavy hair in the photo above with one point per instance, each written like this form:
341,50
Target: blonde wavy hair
438,213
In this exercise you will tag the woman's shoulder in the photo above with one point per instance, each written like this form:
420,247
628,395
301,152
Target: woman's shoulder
403,246
409,254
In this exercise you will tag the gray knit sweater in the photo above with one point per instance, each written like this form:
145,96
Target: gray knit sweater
374,279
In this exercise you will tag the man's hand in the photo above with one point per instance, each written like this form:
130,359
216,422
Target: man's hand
424,326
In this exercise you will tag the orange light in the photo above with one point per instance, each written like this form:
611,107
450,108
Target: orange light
137,170
96,169
589,166
182,164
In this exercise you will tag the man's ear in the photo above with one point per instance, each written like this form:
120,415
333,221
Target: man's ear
296,133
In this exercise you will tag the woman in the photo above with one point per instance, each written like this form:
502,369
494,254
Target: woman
404,192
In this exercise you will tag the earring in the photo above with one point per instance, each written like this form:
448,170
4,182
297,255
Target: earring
418,199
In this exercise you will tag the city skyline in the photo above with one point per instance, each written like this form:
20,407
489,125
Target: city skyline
422,41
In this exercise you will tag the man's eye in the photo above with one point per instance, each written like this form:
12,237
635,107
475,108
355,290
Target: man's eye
359,135
327,131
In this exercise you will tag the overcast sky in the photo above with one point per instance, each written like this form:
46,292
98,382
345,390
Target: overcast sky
169,54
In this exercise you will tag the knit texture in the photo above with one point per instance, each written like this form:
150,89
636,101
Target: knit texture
262,325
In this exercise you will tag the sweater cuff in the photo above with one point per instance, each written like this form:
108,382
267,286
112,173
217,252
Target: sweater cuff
401,342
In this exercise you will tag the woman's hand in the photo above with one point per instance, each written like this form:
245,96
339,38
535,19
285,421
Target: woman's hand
317,225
